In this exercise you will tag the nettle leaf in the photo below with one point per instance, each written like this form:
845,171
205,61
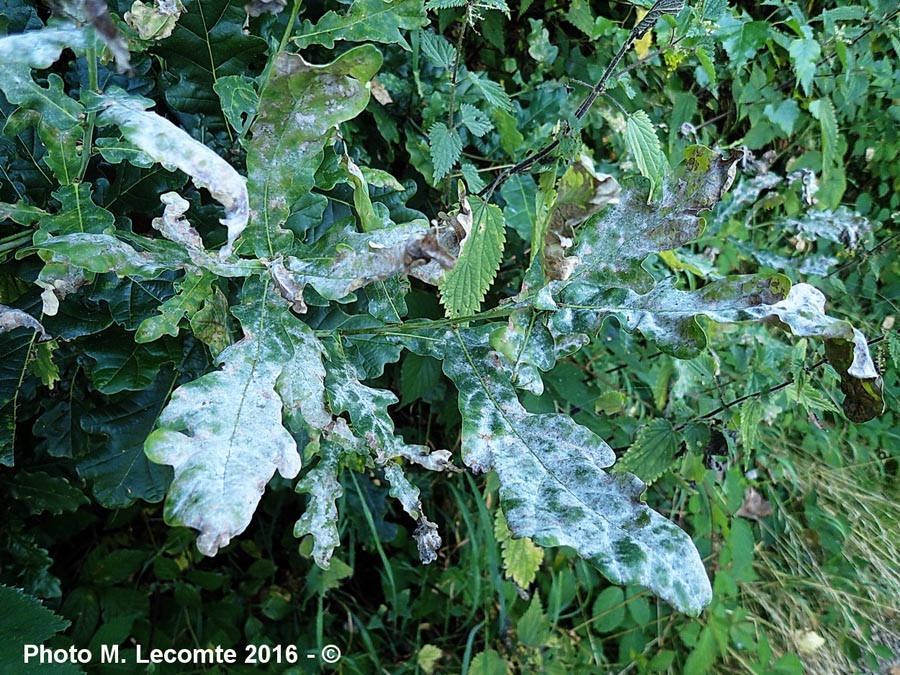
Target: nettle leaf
223,433
445,146
301,103
39,492
643,143
437,49
492,92
174,148
834,180
16,343
805,55
552,484
26,621
475,120
653,451
463,288
366,20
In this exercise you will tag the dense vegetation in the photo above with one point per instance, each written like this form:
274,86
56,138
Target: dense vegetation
512,354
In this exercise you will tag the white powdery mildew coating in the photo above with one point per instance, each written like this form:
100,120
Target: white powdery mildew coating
555,491
804,311
174,148
39,48
10,319
301,384
321,515
223,436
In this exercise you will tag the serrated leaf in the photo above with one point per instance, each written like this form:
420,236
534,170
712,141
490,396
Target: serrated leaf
222,433
492,92
301,103
463,288
834,181
643,143
521,557
437,49
174,148
552,484
445,147
804,55
15,348
810,398
751,416
653,451
444,4
366,20
475,120
25,621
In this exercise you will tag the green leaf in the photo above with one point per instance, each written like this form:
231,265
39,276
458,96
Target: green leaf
521,558
19,54
209,42
751,417
834,181
492,92
489,662
239,99
25,621
445,147
463,288
475,120
742,39
784,115
222,433
174,148
366,20
40,492
642,142
77,212
552,484
805,55
122,365
113,459
609,609
15,348
192,290
437,49
653,451
298,108
519,193
533,627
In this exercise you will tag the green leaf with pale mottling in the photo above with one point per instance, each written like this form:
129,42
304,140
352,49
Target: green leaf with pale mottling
223,433
192,291
552,483
299,106
366,20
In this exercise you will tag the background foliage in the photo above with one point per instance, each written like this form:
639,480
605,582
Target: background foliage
746,444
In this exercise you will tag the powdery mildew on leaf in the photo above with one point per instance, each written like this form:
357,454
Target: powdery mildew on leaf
324,489
301,103
366,20
174,148
223,436
553,486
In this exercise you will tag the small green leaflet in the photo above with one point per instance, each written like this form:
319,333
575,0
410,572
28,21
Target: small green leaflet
653,451
239,99
445,146
463,288
643,143
366,20
475,120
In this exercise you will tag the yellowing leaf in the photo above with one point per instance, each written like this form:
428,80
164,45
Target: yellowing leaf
642,46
